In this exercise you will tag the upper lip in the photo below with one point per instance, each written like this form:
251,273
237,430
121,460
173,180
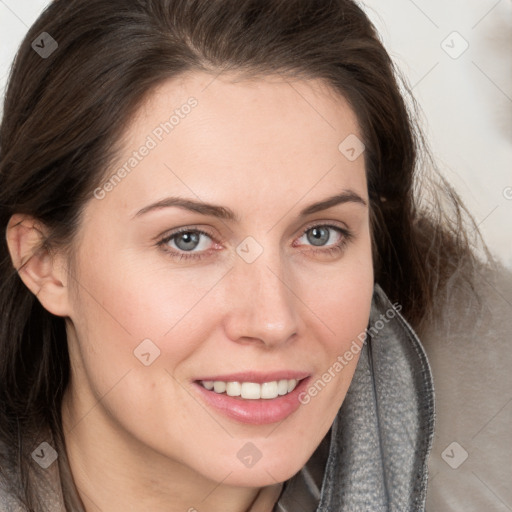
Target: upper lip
258,377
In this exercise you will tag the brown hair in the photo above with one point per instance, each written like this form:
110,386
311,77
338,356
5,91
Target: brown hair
64,114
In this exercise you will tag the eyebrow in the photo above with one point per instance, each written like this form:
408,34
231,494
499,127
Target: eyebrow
221,212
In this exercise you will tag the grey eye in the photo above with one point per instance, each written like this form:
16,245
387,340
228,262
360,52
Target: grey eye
318,235
186,241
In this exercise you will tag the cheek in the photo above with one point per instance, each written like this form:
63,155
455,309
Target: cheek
127,308
342,303
347,319
137,298
342,297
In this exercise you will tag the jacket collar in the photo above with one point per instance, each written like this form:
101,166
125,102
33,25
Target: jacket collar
383,433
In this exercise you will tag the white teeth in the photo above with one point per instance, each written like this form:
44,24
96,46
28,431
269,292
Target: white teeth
292,383
252,390
282,387
233,388
269,390
219,386
208,384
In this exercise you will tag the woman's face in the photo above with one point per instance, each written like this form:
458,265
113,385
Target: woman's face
263,287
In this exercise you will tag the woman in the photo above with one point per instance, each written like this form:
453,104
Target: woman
214,260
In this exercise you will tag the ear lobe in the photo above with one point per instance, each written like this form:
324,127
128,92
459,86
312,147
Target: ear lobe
42,273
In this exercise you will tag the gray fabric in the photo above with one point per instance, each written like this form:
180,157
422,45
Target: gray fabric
374,457
383,432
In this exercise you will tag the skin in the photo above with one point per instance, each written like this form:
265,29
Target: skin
137,437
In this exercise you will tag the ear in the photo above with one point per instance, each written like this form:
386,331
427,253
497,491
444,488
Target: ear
44,274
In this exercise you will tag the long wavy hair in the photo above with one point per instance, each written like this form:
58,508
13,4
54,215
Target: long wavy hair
61,127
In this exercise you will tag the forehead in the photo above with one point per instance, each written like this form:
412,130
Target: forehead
223,137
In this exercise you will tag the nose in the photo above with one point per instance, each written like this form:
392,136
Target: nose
261,304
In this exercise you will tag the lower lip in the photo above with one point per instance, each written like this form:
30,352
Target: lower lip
255,412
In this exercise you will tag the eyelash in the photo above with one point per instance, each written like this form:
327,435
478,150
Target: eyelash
335,249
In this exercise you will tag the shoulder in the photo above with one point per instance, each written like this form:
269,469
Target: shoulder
9,503
42,477
8,497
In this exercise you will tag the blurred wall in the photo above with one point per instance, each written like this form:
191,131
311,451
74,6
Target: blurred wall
457,56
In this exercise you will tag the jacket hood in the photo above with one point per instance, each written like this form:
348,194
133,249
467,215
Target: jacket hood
382,435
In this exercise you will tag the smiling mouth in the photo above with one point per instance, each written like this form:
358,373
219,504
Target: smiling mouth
251,390
252,397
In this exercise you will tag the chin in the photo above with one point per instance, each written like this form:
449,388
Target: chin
266,471
258,478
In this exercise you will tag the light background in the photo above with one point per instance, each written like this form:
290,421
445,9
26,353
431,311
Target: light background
466,101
